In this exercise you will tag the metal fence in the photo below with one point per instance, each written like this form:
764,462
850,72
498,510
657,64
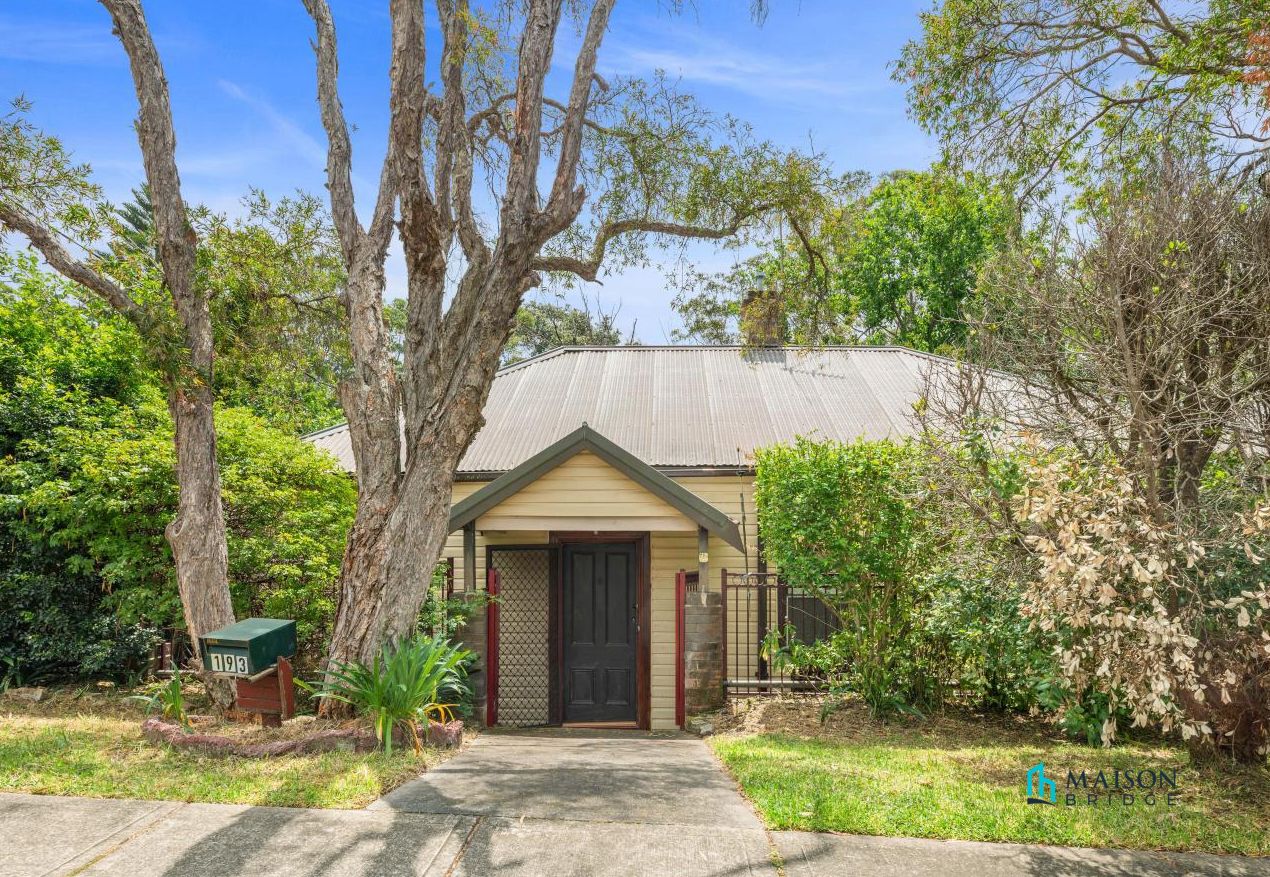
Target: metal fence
760,611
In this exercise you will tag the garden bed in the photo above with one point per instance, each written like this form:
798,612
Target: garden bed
89,742
964,776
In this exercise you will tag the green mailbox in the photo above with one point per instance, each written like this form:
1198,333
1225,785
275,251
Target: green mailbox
248,648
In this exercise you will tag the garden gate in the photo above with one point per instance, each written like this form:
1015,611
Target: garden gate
756,605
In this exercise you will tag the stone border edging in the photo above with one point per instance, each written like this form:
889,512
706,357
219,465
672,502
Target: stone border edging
329,740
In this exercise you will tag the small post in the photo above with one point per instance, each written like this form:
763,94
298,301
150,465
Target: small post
723,595
491,650
286,688
703,555
469,557
680,645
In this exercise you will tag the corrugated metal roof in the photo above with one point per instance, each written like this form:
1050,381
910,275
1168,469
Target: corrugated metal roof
691,407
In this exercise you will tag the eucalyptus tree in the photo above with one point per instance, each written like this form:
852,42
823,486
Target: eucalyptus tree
42,195
494,185
1048,87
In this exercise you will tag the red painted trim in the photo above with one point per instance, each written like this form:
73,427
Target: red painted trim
680,590
491,650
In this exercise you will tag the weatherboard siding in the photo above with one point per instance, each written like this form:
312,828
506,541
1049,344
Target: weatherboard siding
586,494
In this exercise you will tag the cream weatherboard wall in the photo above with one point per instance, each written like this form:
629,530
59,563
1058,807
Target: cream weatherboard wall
586,494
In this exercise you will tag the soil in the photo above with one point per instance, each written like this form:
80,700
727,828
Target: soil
107,700
847,720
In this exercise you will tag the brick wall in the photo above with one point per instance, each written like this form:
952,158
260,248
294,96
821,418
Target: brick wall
703,651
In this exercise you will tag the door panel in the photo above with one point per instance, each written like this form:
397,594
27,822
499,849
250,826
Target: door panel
599,642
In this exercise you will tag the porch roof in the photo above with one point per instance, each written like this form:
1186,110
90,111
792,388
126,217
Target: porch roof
583,439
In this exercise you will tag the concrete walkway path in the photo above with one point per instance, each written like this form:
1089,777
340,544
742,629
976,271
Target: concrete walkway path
581,776
550,803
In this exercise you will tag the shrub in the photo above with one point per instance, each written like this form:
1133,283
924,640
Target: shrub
925,613
87,487
1166,623
840,523
414,680
54,627
168,698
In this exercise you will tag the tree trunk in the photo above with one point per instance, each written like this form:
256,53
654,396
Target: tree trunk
389,560
197,533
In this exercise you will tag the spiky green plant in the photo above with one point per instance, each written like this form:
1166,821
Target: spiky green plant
412,680
168,698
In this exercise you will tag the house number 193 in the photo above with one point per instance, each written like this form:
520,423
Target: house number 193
229,663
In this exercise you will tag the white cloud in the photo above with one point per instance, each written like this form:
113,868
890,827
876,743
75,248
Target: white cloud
696,58
58,43
287,133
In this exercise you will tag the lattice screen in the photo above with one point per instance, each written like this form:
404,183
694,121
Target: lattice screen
523,634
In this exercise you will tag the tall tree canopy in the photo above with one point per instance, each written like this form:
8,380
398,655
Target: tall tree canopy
1038,87
897,263
545,325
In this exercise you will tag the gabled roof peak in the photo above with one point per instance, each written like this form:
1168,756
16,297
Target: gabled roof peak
584,438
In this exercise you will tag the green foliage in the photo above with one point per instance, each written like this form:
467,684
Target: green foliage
542,325
55,626
444,613
274,275
288,509
838,523
1052,89
66,375
168,698
897,263
410,681
912,263
87,487
924,618
974,629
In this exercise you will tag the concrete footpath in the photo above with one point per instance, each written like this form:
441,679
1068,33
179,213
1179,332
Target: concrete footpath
523,805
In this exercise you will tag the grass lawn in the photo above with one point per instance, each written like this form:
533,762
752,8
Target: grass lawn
92,746
964,777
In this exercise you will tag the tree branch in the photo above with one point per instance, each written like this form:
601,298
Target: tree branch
566,199
64,263
588,268
174,236
339,154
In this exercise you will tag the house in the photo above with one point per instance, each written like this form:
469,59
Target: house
608,493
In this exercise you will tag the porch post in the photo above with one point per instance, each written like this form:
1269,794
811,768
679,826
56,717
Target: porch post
703,556
469,557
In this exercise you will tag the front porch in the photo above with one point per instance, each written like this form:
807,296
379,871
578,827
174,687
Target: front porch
582,551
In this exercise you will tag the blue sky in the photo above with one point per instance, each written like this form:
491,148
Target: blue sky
242,81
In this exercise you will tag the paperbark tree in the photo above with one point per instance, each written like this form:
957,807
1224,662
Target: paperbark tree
34,167
655,174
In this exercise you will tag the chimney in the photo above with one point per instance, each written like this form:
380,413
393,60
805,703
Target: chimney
763,319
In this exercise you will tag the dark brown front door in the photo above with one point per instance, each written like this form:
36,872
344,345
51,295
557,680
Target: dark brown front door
599,632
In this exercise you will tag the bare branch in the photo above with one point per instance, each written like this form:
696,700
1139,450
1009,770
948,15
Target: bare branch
588,268
566,199
339,157
67,265
542,19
